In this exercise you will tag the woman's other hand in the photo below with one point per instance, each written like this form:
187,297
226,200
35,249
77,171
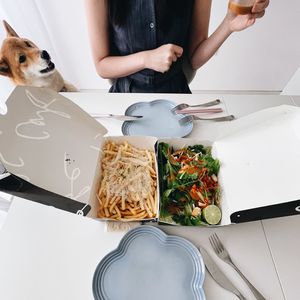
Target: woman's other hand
161,58
241,22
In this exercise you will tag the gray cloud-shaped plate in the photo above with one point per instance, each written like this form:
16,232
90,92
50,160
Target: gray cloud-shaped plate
158,120
148,264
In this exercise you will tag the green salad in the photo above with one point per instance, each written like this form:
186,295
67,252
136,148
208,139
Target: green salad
189,188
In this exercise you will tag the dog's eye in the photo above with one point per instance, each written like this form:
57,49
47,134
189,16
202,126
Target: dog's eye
28,44
22,58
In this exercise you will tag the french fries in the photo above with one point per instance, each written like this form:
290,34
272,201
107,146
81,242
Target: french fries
128,187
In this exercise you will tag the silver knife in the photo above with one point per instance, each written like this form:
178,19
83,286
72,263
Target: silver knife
218,275
117,117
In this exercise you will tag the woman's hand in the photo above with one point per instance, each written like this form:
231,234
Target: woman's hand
241,22
161,58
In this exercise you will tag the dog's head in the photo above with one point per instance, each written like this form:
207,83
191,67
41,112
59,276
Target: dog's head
22,60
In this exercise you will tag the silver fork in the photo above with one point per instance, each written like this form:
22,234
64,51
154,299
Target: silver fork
224,255
190,118
184,105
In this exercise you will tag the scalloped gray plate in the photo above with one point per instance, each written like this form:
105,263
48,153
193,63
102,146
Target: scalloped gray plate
158,120
148,264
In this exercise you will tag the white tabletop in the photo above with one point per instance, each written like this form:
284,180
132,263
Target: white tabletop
46,253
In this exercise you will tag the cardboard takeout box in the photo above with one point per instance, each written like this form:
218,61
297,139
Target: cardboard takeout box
52,149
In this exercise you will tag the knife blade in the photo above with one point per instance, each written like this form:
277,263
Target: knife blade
117,117
218,275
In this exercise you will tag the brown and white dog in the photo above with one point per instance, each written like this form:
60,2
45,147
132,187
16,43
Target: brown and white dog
25,64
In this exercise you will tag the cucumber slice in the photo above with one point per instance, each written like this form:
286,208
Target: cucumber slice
212,214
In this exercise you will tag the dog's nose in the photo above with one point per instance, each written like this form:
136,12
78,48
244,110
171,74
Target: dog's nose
45,55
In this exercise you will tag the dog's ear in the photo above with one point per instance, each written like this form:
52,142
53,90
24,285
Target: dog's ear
9,30
4,68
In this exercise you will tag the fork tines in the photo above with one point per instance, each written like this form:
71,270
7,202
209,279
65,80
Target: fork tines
186,120
216,243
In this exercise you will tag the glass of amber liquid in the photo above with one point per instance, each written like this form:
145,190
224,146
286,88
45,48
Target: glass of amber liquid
241,7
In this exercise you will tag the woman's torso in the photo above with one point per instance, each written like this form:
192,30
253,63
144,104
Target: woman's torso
147,27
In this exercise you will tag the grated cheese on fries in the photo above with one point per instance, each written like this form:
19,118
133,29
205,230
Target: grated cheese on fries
128,185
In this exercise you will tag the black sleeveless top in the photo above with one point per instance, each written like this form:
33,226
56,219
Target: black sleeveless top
143,30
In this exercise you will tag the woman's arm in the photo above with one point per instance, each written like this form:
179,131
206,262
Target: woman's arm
108,66
202,47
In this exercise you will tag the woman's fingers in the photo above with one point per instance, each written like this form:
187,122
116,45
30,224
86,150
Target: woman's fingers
261,14
174,57
259,6
177,50
251,21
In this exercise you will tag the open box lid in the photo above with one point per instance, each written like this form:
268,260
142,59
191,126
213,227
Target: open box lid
260,156
50,142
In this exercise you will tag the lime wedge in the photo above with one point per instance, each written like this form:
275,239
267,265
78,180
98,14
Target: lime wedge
212,214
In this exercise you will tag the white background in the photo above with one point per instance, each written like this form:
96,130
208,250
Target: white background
261,58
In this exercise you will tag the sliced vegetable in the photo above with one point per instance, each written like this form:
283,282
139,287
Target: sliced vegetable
212,214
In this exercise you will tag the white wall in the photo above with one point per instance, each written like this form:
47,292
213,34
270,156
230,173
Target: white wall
263,57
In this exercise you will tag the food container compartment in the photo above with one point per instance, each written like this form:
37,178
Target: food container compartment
132,193
186,204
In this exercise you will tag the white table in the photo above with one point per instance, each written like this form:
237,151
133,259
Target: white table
46,253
